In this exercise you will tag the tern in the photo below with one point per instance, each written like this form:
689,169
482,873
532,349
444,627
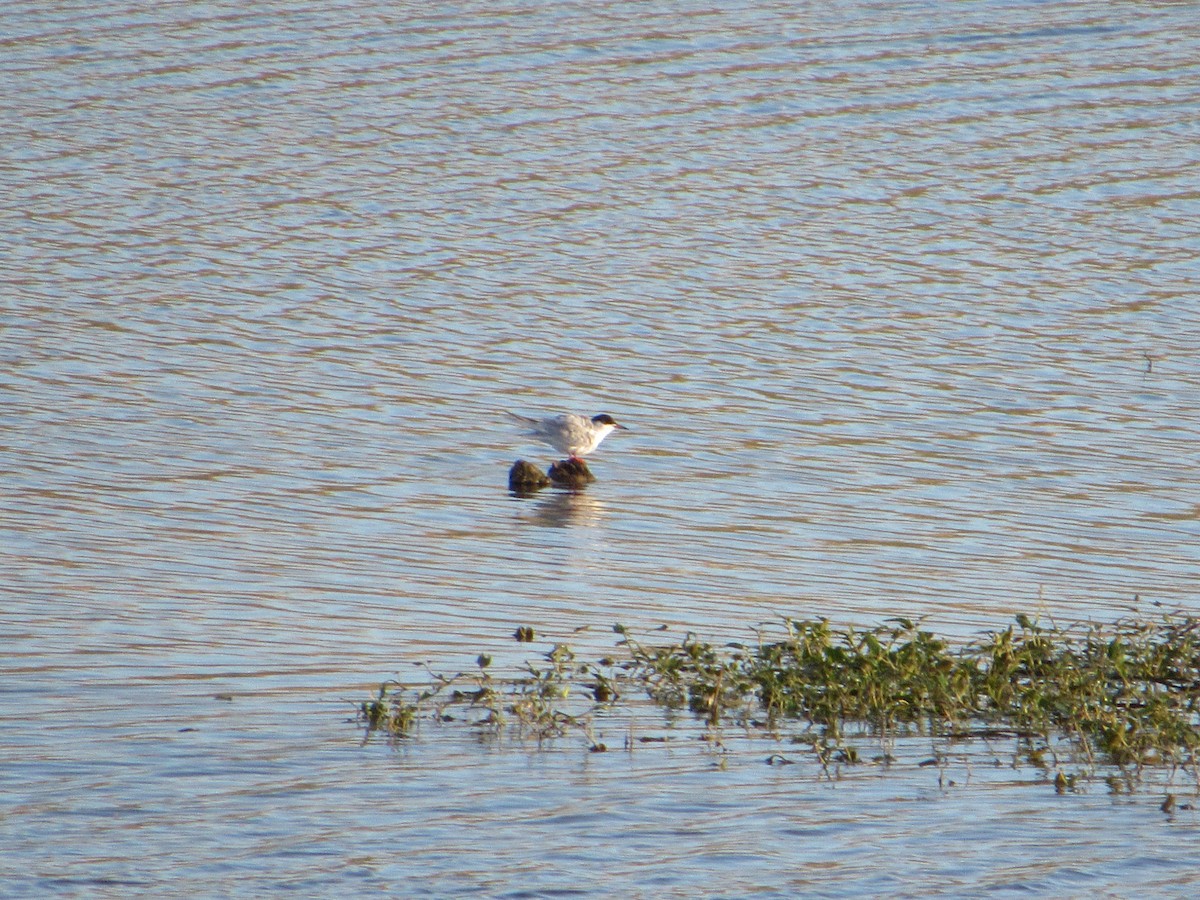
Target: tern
570,433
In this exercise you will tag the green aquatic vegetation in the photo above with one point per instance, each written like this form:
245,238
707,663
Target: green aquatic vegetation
390,713
885,677
1126,692
547,699
1123,693
692,674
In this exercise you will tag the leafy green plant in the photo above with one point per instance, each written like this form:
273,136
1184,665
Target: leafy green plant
1124,694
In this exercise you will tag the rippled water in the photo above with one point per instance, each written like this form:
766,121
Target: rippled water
896,299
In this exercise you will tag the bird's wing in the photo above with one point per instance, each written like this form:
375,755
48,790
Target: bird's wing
524,420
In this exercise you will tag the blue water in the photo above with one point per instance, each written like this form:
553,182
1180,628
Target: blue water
895,299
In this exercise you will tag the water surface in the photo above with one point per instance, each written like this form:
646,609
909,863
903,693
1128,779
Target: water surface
896,300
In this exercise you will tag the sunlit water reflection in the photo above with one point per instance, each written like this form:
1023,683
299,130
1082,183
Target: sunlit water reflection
896,300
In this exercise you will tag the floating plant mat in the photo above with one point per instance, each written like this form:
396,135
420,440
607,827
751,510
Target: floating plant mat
1084,701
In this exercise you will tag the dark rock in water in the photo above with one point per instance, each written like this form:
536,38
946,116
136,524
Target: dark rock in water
525,478
571,473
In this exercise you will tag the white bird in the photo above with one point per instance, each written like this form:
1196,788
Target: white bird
570,433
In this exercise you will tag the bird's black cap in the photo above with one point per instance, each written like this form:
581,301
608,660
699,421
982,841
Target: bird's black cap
606,419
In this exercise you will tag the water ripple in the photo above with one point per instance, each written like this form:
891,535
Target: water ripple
898,307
